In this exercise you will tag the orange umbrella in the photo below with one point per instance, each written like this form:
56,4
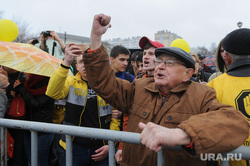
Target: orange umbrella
28,58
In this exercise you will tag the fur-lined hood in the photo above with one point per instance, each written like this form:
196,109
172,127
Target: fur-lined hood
220,63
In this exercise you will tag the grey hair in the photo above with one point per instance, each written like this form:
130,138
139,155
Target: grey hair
235,57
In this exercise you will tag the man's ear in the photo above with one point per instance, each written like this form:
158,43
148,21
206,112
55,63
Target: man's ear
188,74
76,67
112,59
228,59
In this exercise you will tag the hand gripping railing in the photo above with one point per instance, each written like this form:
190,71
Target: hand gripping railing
69,131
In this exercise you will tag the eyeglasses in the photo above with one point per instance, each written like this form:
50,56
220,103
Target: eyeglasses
167,62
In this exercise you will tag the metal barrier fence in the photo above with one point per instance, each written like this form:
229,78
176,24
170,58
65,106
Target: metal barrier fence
69,131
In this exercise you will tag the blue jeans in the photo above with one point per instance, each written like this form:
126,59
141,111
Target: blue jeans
44,143
82,156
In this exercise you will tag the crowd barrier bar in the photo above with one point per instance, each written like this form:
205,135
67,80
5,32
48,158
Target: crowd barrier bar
69,131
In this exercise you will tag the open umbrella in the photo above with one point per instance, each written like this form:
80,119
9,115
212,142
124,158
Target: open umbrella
28,58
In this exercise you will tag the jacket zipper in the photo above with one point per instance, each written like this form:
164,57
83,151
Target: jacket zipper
162,102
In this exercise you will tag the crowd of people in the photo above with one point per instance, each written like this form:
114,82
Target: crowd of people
167,95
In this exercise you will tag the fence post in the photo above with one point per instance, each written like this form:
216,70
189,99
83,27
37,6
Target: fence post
69,160
4,146
160,158
224,162
34,148
111,153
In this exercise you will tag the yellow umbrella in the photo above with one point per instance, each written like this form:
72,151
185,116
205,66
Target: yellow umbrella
28,58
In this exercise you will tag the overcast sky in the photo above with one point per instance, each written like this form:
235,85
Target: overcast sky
198,22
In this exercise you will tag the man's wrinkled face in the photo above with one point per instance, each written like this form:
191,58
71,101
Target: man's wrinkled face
170,72
148,58
120,63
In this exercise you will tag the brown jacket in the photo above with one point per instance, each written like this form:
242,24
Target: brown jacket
190,106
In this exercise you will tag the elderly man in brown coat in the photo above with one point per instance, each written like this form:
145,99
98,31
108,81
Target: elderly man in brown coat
167,110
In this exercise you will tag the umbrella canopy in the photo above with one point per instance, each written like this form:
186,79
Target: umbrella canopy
28,58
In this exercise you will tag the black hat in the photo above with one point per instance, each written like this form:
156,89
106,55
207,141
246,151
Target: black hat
177,53
201,56
237,42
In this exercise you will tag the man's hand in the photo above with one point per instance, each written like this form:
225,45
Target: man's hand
71,51
54,35
155,136
31,41
102,153
118,156
12,93
116,114
100,25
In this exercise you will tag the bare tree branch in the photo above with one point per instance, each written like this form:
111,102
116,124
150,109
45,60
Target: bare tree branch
24,30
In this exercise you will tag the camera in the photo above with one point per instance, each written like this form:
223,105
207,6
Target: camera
35,41
46,33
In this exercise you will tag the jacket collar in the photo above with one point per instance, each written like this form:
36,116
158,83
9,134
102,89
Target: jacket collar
240,68
78,77
179,88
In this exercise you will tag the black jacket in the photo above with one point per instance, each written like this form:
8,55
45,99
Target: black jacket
38,108
202,76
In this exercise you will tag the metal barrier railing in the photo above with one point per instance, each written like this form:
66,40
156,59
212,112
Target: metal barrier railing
110,135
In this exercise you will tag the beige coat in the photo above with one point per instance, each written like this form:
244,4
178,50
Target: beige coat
190,106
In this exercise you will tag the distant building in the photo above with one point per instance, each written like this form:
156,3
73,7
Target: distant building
166,37
114,41
130,42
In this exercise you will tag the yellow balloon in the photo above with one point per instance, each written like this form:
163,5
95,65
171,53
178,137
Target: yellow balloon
8,30
180,43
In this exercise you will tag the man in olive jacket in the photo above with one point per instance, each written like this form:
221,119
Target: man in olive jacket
188,111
